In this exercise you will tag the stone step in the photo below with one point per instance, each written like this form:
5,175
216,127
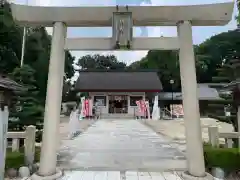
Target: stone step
117,116
120,175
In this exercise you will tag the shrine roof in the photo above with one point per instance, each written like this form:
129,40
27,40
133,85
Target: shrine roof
205,92
118,81
8,84
232,84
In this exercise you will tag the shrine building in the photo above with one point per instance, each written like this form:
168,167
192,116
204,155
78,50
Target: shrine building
116,91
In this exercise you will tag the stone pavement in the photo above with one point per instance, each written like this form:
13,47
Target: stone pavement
117,175
120,145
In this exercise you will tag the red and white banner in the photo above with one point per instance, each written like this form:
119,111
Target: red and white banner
177,110
87,107
142,108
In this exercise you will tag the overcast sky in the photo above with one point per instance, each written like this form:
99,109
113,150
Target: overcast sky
199,33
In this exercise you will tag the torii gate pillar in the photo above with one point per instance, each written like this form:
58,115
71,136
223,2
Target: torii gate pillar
194,150
50,143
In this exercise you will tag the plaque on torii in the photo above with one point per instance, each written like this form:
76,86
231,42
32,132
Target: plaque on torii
122,29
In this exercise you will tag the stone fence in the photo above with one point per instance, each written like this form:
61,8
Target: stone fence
215,136
29,142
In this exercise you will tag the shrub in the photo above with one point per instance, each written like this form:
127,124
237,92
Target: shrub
17,159
37,154
226,158
14,160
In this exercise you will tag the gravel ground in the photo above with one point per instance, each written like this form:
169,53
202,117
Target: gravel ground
175,129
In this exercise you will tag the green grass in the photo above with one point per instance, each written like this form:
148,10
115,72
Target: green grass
16,159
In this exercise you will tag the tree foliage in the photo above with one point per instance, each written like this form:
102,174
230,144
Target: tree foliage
27,109
37,51
166,62
37,54
10,43
36,57
209,57
226,72
100,62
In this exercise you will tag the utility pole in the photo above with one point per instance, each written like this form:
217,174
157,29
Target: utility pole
23,42
23,46
238,15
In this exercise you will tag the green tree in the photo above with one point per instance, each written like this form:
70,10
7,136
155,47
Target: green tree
228,72
213,51
10,44
167,64
37,54
68,91
37,51
209,57
100,62
28,109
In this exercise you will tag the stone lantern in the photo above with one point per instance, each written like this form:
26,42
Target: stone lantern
234,86
7,89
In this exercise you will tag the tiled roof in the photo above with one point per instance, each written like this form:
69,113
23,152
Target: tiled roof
8,84
118,80
204,93
232,84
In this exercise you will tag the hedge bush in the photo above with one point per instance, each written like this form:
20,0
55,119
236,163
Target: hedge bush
14,160
225,158
17,159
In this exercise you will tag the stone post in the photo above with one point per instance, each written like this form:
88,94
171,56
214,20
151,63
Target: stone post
30,145
15,145
195,158
238,121
213,136
4,114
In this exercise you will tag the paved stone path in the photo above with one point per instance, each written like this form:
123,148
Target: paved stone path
120,145
116,175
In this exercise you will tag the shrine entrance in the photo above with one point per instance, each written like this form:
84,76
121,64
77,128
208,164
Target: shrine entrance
122,20
118,104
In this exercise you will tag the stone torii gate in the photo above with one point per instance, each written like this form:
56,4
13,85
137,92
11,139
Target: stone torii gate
122,19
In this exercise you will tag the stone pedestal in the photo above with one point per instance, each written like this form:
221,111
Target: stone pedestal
55,176
187,176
